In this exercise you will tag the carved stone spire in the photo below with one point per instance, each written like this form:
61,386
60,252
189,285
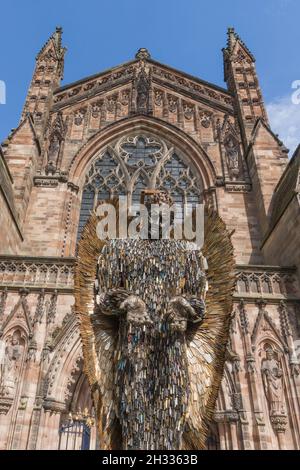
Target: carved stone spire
46,77
240,75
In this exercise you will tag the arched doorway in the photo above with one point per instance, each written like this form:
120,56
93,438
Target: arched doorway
77,429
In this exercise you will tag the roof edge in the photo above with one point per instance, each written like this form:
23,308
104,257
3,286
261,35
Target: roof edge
131,62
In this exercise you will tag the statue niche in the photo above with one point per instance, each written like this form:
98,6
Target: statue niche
54,147
56,139
142,89
232,156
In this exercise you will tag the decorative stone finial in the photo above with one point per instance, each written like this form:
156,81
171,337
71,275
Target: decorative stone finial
143,54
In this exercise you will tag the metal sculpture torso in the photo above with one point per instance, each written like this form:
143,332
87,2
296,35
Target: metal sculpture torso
156,288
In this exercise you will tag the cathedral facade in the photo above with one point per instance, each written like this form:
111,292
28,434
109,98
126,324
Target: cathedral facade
137,126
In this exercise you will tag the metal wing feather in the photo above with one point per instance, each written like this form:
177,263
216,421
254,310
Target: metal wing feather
98,334
206,346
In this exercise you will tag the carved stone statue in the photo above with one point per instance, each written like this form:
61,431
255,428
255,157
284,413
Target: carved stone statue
9,367
232,157
142,85
154,343
54,147
273,383
56,138
53,151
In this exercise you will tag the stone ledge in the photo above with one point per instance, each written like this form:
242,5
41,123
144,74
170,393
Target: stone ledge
50,404
35,273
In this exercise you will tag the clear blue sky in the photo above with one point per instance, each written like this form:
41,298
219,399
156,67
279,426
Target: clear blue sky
186,34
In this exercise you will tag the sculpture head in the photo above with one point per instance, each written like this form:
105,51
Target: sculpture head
14,341
229,143
157,203
155,196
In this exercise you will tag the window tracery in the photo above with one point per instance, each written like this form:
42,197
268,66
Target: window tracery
135,163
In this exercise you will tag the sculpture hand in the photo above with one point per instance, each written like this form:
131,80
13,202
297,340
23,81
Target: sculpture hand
136,310
182,310
109,302
178,312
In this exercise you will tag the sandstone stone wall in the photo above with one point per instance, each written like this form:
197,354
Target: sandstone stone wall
10,233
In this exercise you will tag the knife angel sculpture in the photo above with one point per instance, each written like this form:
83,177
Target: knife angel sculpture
153,336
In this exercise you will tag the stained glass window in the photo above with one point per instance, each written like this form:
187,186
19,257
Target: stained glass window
135,163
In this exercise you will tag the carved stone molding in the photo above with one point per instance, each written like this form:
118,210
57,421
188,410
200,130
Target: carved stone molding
279,423
89,88
52,308
264,322
162,75
68,335
23,403
79,116
5,405
36,273
32,349
267,282
3,302
59,332
237,401
251,366
237,187
39,311
20,313
259,418
228,416
73,378
194,88
244,321
253,282
233,358
73,187
49,181
50,404
143,54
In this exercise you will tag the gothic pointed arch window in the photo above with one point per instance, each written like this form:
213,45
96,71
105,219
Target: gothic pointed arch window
134,163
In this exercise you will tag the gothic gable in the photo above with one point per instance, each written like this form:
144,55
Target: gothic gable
262,132
19,316
265,327
24,134
161,75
